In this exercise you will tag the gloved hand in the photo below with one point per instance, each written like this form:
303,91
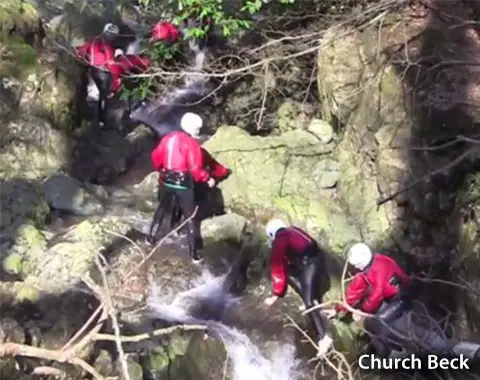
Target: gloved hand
211,182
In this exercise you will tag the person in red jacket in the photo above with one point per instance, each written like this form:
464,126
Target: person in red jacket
381,288
180,160
297,260
107,66
380,282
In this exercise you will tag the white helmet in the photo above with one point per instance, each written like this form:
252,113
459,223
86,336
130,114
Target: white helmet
273,226
111,29
191,123
118,53
360,255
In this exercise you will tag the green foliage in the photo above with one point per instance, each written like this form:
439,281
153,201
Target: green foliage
228,21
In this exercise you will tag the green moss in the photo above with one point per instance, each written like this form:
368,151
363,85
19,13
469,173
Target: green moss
470,190
178,345
158,360
19,59
17,13
13,263
359,192
27,293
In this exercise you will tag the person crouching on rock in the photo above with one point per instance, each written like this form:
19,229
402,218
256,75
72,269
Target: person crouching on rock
380,288
297,260
180,160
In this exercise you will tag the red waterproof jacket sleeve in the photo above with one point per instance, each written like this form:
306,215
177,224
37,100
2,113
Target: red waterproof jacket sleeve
216,169
83,49
195,162
131,63
278,266
355,292
157,156
376,295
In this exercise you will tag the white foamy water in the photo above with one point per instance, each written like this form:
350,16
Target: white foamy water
209,299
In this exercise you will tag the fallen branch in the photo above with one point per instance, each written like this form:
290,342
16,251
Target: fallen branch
16,349
145,336
112,313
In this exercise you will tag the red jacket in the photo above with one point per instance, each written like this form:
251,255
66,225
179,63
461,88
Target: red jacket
125,65
166,32
178,151
100,53
288,241
97,52
216,169
372,286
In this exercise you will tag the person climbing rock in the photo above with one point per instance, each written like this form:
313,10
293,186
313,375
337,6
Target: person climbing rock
381,288
297,260
180,160
106,66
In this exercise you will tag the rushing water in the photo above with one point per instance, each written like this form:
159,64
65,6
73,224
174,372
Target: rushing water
205,304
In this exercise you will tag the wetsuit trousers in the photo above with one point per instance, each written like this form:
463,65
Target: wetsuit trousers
169,198
310,284
103,80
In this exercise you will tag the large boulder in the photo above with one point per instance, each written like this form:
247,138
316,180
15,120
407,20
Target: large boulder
31,148
291,175
65,193
20,200
56,268
362,93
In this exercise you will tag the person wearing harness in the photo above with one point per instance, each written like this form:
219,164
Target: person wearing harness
98,53
381,288
180,160
107,66
297,260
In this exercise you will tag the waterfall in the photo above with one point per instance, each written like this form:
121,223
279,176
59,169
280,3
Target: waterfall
204,304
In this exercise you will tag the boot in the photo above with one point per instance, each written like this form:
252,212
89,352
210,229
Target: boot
150,240
194,250
196,256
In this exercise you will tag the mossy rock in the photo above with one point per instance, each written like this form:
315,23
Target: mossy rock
21,202
19,60
17,14
278,176
64,264
293,115
363,92
201,359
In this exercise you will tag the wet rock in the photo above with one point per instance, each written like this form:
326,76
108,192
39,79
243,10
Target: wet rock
148,187
65,193
321,129
376,127
104,364
293,115
135,370
276,176
18,291
223,228
200,359
11,331
64,264
326,173
29,241
20,200
31,148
